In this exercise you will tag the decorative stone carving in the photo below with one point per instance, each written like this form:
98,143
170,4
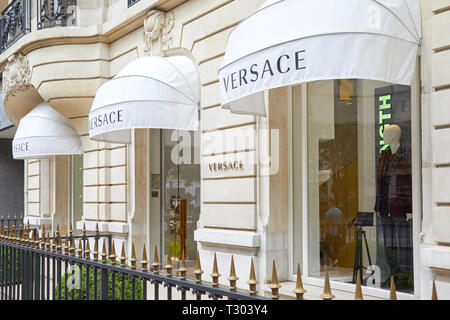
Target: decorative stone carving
157,32
16,76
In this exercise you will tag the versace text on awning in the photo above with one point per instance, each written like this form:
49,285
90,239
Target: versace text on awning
281,65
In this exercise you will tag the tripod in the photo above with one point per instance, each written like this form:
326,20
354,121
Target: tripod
358,262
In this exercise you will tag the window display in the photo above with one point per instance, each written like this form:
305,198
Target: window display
360,182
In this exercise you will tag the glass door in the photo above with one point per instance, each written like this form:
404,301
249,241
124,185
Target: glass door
180,191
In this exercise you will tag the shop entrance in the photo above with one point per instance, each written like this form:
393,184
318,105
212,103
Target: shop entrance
177,187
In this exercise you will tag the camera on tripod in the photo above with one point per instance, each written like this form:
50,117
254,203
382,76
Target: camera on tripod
362,219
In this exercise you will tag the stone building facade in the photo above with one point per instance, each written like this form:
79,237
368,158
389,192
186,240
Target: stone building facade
247,213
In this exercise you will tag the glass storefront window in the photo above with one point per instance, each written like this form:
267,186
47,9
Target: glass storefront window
75,190
180,195
359,180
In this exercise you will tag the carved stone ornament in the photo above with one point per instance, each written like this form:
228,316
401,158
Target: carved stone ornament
16,76
157,31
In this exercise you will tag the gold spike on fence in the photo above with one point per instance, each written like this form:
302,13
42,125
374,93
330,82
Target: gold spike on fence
58,243
393,293
84,230
97,232
299,290
41,242
169,265
70,231
232,278
182,270
36,240
358,291
43,238
133,257
434,295
113,256
198,270
156,264
95,252
327,295
104,253
13,233
144,262
252,282
53,245
215,273
275,286
66,245
87,250
80,249
24,238
122,257
72,246
47,242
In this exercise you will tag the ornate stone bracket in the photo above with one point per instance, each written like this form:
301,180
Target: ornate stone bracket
157,32
16,76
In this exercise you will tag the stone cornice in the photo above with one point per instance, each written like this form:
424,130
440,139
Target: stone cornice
104,33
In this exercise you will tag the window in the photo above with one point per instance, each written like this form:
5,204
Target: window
75,189
180,192
358,176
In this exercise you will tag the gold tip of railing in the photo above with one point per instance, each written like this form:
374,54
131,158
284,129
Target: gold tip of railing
327,295
156,264
358,291
299,290
252,282
232,278
215,273
393,293
144,262
198,270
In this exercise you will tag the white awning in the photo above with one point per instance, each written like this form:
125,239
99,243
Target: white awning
44,133
150,92
287,42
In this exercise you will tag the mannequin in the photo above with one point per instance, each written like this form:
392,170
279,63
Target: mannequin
394,199
392,136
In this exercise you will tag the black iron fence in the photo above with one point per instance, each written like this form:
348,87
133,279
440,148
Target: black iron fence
10,220
56,13
59,268
15,22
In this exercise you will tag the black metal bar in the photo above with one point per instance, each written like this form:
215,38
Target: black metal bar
144,289
37,277
42,258
132,2
59,278
104,283
133,288
123,286
80,289
95,285
15,22
60,14
48,277
88,285
73,278
13,273
54,277
113,285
